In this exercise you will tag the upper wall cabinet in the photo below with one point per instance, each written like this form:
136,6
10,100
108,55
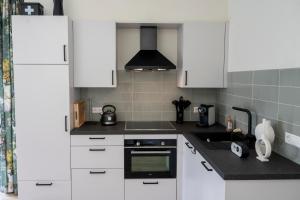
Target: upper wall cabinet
202,60
40,40
95,54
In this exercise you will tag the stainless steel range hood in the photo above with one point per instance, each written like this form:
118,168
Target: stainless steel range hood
149,58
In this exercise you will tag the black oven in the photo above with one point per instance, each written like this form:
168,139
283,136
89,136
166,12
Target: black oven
150,158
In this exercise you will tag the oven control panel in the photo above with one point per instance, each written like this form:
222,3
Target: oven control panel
150,142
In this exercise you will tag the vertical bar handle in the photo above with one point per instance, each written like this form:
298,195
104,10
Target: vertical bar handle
112,77
186,78
66,123
65,54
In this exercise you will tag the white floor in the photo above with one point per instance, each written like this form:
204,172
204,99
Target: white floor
7,197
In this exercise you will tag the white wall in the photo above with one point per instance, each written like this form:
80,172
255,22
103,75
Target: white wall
142,10
264,34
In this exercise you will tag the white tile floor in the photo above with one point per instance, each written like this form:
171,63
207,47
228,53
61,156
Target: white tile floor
7,197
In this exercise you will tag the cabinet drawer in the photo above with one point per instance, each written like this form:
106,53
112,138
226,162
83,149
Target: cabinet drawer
85,140
95,184
97,157
44,190
149,189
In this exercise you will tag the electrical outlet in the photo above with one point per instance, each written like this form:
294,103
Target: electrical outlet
195,109
96,110
292,139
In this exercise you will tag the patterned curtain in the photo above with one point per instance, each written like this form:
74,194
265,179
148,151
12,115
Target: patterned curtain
8,172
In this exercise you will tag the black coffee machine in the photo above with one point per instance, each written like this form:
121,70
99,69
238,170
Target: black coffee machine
180,105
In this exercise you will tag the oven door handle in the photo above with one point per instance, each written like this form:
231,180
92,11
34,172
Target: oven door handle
150,152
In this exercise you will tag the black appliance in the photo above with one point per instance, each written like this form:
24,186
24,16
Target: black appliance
109,116
149,58
31,9
180,105
58,7
207,115
150,158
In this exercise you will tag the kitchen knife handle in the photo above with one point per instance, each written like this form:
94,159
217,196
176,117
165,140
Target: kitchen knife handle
66,123
188,145
186,78
204,165
44,184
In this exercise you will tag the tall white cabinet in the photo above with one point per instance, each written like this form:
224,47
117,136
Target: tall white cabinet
43,93
95,54
202,55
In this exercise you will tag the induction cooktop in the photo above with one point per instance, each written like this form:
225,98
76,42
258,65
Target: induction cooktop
149,126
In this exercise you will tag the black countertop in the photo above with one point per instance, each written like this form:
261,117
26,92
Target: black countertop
224,162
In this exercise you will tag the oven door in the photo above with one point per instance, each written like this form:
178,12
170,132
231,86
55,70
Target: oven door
150,163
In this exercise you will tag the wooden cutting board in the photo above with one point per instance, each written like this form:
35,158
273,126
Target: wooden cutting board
79,113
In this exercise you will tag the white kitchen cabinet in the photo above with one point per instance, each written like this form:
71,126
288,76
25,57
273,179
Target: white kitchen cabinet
95,54
149,189
41,40
95,184
200,181
96,140
44,190
42,122
202,56
97,157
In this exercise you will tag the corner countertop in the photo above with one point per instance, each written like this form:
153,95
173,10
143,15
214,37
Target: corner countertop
224,162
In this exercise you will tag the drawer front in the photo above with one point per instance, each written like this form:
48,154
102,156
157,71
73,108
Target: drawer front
95,184
97,157
149,189
94,140
44,190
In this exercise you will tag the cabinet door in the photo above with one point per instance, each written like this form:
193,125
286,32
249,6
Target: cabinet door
95,184
42,126
40,39
149,189
44,190
95,54
189,179
203,55
210,185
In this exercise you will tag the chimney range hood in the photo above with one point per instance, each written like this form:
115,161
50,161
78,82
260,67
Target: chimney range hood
149,58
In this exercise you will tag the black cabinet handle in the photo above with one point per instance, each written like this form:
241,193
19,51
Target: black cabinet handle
65,56
204,165
188,145
66,123
193,151
150,183
93,172
112,77
97,138
97,149
44,184
186,77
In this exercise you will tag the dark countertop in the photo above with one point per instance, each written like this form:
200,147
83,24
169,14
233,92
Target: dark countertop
224,162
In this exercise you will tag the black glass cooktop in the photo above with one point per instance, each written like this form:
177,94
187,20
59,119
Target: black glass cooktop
149,126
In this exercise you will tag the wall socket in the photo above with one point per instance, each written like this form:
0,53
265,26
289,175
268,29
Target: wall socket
97,110
292,139
195,110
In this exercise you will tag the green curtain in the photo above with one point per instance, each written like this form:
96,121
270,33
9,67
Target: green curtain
8,172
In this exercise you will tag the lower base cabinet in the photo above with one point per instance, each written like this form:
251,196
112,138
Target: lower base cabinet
150,189
44,190
98,184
